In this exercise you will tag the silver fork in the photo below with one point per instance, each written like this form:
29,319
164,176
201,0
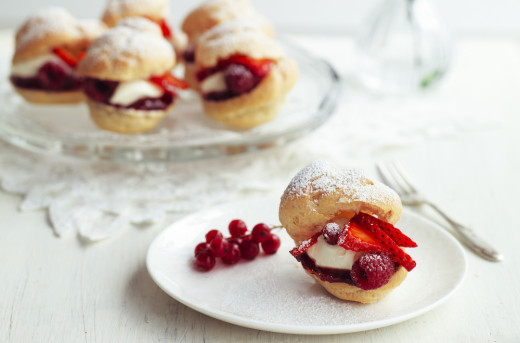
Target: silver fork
394,175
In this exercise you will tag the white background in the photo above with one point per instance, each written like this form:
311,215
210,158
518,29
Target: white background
464,17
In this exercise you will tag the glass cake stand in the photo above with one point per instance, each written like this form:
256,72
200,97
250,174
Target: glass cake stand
186,134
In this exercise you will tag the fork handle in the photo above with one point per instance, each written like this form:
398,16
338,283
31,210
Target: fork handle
468,236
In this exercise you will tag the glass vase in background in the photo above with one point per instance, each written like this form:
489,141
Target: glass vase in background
402,48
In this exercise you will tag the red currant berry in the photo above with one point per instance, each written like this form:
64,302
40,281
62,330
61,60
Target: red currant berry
233,254
212,234
235,240
331,233
237,228
271,244
249,249
219,247
203,246
261,232
204,261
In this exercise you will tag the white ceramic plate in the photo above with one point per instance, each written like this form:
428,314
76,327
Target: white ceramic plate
273,293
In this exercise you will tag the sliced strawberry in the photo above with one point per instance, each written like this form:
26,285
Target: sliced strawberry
397,236
165,28
169,82
356,239
81,55
163,24
66,56
379,235
300,249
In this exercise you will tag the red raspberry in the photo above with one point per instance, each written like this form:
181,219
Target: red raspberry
372,270
52,76
239,79
99,90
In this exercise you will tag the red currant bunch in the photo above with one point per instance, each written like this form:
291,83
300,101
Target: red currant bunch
239,245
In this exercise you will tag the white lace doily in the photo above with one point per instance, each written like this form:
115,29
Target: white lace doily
98,200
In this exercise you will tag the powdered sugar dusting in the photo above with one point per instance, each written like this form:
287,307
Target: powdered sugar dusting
324,178
235,36
47,21
137,7
140,24
226,9
125,42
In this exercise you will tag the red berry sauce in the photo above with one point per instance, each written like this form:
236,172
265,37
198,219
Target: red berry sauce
51,77
102,91
325,274
188,55
241,75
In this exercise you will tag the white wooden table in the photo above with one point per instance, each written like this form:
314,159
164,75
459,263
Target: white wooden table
63,290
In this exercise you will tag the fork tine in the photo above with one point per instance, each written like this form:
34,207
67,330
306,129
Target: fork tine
401,173
387,177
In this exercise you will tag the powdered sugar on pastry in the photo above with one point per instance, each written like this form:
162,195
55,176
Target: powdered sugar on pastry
235,37
321,178
123,41
52,20
91,28
215,12
137,6
322,193
126,54
140,24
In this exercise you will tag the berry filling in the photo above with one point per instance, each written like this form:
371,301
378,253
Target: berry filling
325,274
51,77
188,55
377,247
241,75
54,76
103,90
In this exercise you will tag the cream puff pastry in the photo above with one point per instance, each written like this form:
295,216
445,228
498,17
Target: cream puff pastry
154,10
342,224
127,79
242,74
48,47
210,14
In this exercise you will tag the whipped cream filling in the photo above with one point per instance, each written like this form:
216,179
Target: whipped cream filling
213,83
129,92
331,256
29,68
